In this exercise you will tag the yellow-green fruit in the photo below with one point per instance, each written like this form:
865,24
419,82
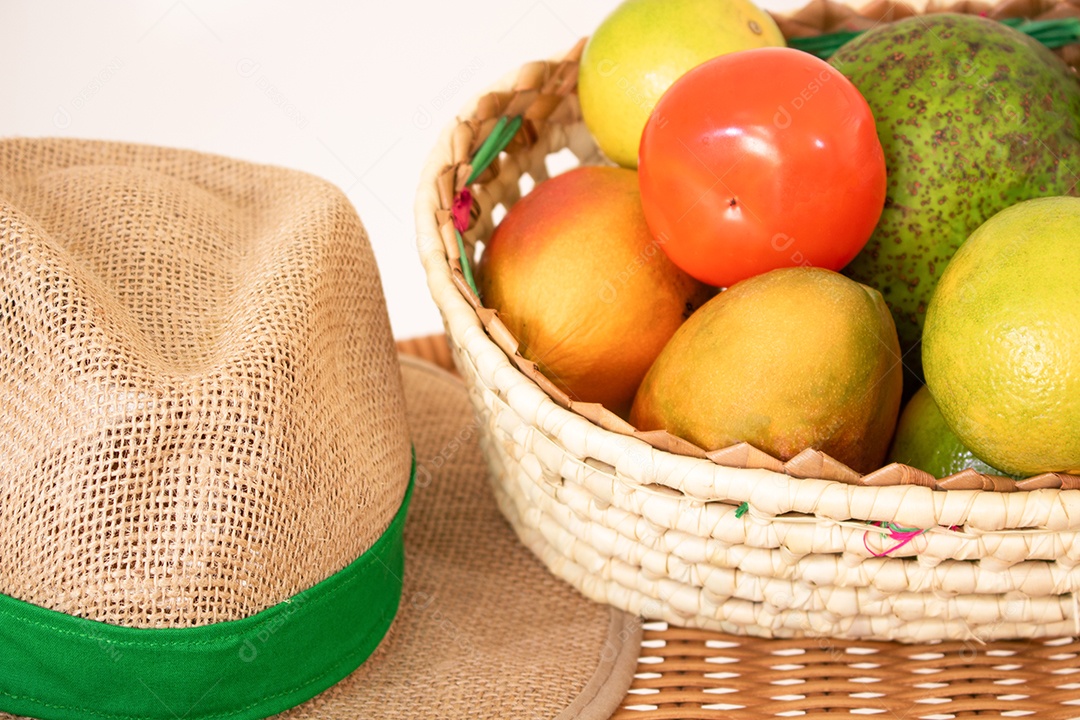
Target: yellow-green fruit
1001,348
643,47
924,441
793,359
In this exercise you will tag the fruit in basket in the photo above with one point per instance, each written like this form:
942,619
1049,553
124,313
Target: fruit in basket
760,160
1002,343
925,441
644,46
974,117
584,287
792,359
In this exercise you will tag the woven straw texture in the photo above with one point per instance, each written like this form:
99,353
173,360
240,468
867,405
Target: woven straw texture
203,410
686,674
483,631
652,525
697,675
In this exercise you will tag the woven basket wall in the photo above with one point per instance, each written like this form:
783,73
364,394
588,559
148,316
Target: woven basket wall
653,525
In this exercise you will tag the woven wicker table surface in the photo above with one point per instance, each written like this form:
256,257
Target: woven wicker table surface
695,674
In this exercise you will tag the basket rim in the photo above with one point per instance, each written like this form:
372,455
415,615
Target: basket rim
909,505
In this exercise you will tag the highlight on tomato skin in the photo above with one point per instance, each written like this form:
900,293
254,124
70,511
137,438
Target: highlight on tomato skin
758,160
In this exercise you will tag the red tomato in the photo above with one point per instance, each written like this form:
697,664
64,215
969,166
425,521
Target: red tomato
761,159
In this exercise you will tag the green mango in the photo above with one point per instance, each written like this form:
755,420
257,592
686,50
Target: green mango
974,117
925,441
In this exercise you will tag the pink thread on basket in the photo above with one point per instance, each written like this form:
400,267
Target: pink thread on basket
904,536
461,210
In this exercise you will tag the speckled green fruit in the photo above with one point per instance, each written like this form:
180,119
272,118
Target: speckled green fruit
973,117
925,441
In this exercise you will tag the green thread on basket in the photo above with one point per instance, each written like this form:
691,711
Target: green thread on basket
1051,33
742,509
497,140
466,266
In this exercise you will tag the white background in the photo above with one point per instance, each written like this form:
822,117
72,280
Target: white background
354,92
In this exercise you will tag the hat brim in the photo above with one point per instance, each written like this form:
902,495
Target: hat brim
483,630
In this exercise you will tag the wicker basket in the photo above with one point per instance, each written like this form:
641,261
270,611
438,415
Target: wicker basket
733,540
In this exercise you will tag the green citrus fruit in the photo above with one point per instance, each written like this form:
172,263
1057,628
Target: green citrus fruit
792,359
1001,349
644,46
924,441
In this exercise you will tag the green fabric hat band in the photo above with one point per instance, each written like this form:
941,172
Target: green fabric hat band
59,667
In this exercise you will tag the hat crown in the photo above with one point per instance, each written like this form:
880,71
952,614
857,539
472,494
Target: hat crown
201,411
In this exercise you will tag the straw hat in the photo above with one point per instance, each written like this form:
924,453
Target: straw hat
207,445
